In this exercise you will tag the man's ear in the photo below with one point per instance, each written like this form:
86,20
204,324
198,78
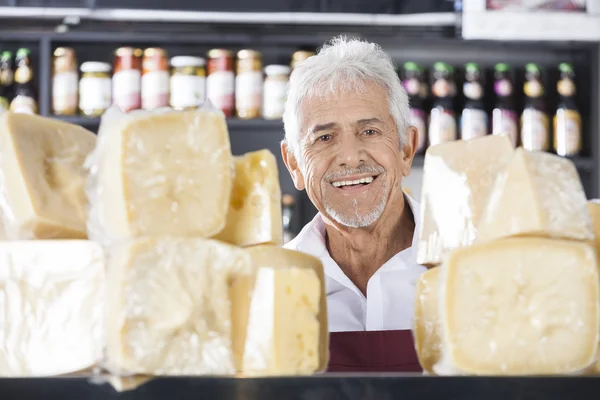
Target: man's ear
409,149
292,165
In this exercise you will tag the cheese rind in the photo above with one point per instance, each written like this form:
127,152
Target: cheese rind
169,306
427,328
457,180
537,194
167,173
284,312
254,215
42,177
51,307
594,210
520,306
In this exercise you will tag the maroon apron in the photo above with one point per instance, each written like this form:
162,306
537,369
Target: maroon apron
372,351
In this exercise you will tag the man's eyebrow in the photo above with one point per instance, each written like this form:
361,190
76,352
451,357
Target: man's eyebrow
323,127
368,121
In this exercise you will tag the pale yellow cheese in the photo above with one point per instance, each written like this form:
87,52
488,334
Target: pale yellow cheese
284,311
163,173
537,194
427,323
594,210
254,215
520,306
42,177
169,306
52,296
457,179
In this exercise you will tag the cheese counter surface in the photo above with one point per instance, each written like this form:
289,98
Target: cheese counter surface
326,387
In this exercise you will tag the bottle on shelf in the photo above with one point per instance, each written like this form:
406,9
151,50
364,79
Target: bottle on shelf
289,204
567,120
64,82
155,79
504,117
127,78
24,100
413,78
442,122
248,84
6,79
535,132
474,119
95,95
300,56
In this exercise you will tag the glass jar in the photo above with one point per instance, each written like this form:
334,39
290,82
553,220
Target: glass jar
155,79
64,82
94,88
248,84
275,90
126,82
188,82
300,56
221,80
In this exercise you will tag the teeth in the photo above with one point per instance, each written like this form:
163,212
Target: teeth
368,179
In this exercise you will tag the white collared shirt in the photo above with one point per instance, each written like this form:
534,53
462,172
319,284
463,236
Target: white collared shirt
391,291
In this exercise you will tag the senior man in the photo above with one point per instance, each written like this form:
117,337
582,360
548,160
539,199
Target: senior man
348,143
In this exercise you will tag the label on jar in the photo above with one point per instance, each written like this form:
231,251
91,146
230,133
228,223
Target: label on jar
473,124
23,104
187,91
219,90
126,89
567,132
64,92
417,119
504,122
248,90
155,90
275,92
442,126
534,130
94,93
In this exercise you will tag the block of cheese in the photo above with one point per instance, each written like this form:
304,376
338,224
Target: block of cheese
51,307
254,215
427,337
284,310
457,179
537,194
166,173
594,210
42,177
169,306
520,306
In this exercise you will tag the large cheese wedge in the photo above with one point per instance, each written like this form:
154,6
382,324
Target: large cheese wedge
51,307
520,306
427,323
457,180
165,173
42,177
537,194
254,215
281,314
169,306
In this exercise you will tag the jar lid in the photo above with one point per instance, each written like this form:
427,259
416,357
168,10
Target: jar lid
216,53
95,66
249,53
277,70
187,61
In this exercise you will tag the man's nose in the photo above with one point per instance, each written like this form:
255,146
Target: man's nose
351,152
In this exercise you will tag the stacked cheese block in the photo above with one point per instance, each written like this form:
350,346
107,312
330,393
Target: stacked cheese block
513,286
183,273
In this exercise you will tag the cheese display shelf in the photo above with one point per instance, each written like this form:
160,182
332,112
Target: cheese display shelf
326,387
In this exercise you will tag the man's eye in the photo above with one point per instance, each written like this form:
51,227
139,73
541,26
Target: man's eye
324,138
370,132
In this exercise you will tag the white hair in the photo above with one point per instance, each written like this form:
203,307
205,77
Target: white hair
343,64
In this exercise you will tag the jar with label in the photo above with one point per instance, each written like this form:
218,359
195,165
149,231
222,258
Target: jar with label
248,84
155,79
300,56
567,120
64,82
126,80
412,80
504,117
188,82
24,100
275,91
220,81
442,121
94,88
474,119
535,132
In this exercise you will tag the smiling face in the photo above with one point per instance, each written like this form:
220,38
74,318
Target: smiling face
351,162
